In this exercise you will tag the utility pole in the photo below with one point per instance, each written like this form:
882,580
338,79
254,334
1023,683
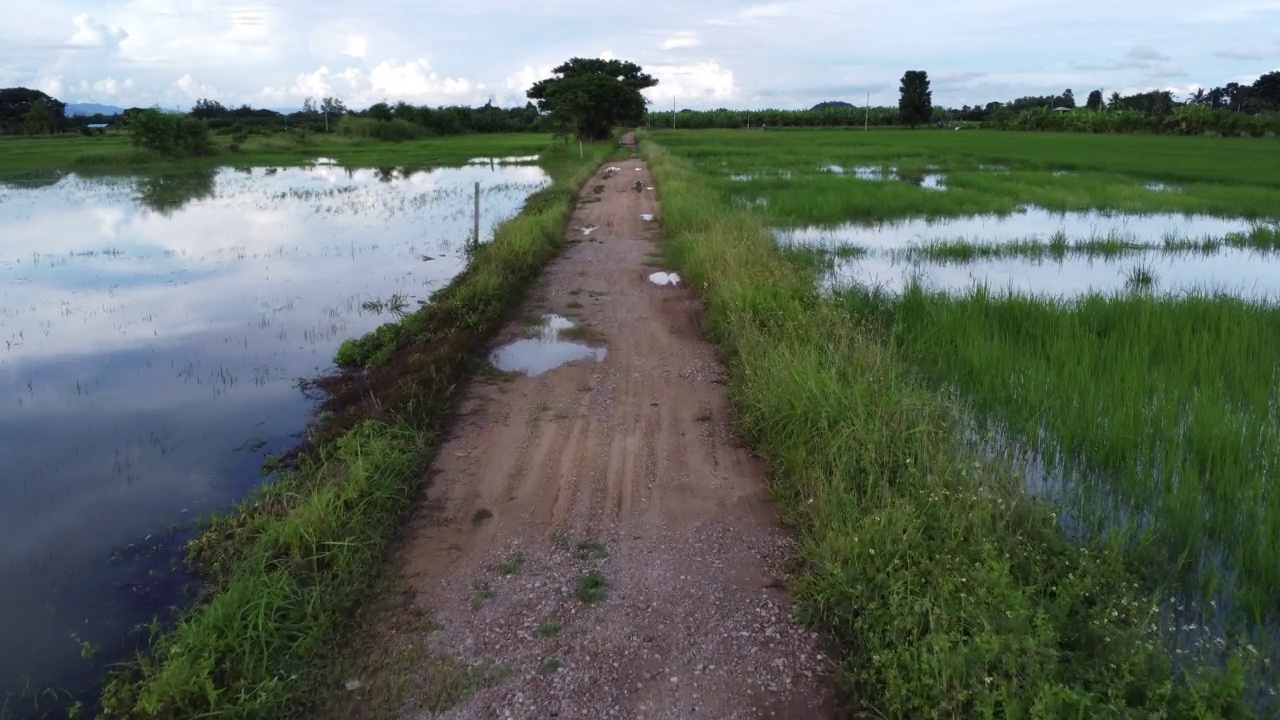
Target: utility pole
475,234
673,110
866,122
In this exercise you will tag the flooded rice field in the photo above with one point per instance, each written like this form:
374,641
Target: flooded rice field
153,330
1061,255
1241,273
1032,223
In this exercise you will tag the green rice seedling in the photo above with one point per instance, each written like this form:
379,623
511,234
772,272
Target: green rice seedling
784,180
947,588
1141,278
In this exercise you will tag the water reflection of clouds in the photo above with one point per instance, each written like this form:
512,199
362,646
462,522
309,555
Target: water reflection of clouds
1030,223
139,348
1242,273
211,265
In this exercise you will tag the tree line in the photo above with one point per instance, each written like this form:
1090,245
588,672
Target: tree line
587,97
1231,110
24,111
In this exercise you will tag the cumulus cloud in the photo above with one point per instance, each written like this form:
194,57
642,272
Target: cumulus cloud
416,79
413,81
91,34
517,83
692,85
193,89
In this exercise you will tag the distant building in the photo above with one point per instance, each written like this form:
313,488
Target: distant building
98,128
1062,109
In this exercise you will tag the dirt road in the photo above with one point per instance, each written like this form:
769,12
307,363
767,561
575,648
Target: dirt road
594,533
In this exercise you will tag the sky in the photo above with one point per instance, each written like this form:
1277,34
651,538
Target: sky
708,54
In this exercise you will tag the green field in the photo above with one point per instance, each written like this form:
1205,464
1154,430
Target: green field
19,154
1220,177
1010,505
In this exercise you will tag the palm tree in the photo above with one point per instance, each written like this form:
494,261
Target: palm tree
1199,97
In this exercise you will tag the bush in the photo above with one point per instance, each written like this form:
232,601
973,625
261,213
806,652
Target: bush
170,135
392,130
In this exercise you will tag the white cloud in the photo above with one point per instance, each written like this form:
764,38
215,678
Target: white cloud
52,86
357,47
193,89
683,39
413,81
416,79
692,86
763,51
96,35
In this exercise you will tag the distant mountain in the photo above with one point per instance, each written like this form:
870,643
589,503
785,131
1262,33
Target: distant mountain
92,109
832,105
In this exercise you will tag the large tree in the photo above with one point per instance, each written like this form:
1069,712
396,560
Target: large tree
915,106
16,102
591,96
1095,100
206,109
1266,91
39,119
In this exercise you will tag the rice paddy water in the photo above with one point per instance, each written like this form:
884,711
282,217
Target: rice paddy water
153,332
1105,327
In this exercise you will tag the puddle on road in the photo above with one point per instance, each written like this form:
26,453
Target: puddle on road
664,278
1030,223
547,351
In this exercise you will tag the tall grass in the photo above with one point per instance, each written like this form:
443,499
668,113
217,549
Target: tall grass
944,589
287,566
1169,405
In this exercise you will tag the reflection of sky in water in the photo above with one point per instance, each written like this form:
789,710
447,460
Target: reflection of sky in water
1032,223
535,356
1242,273
139,349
